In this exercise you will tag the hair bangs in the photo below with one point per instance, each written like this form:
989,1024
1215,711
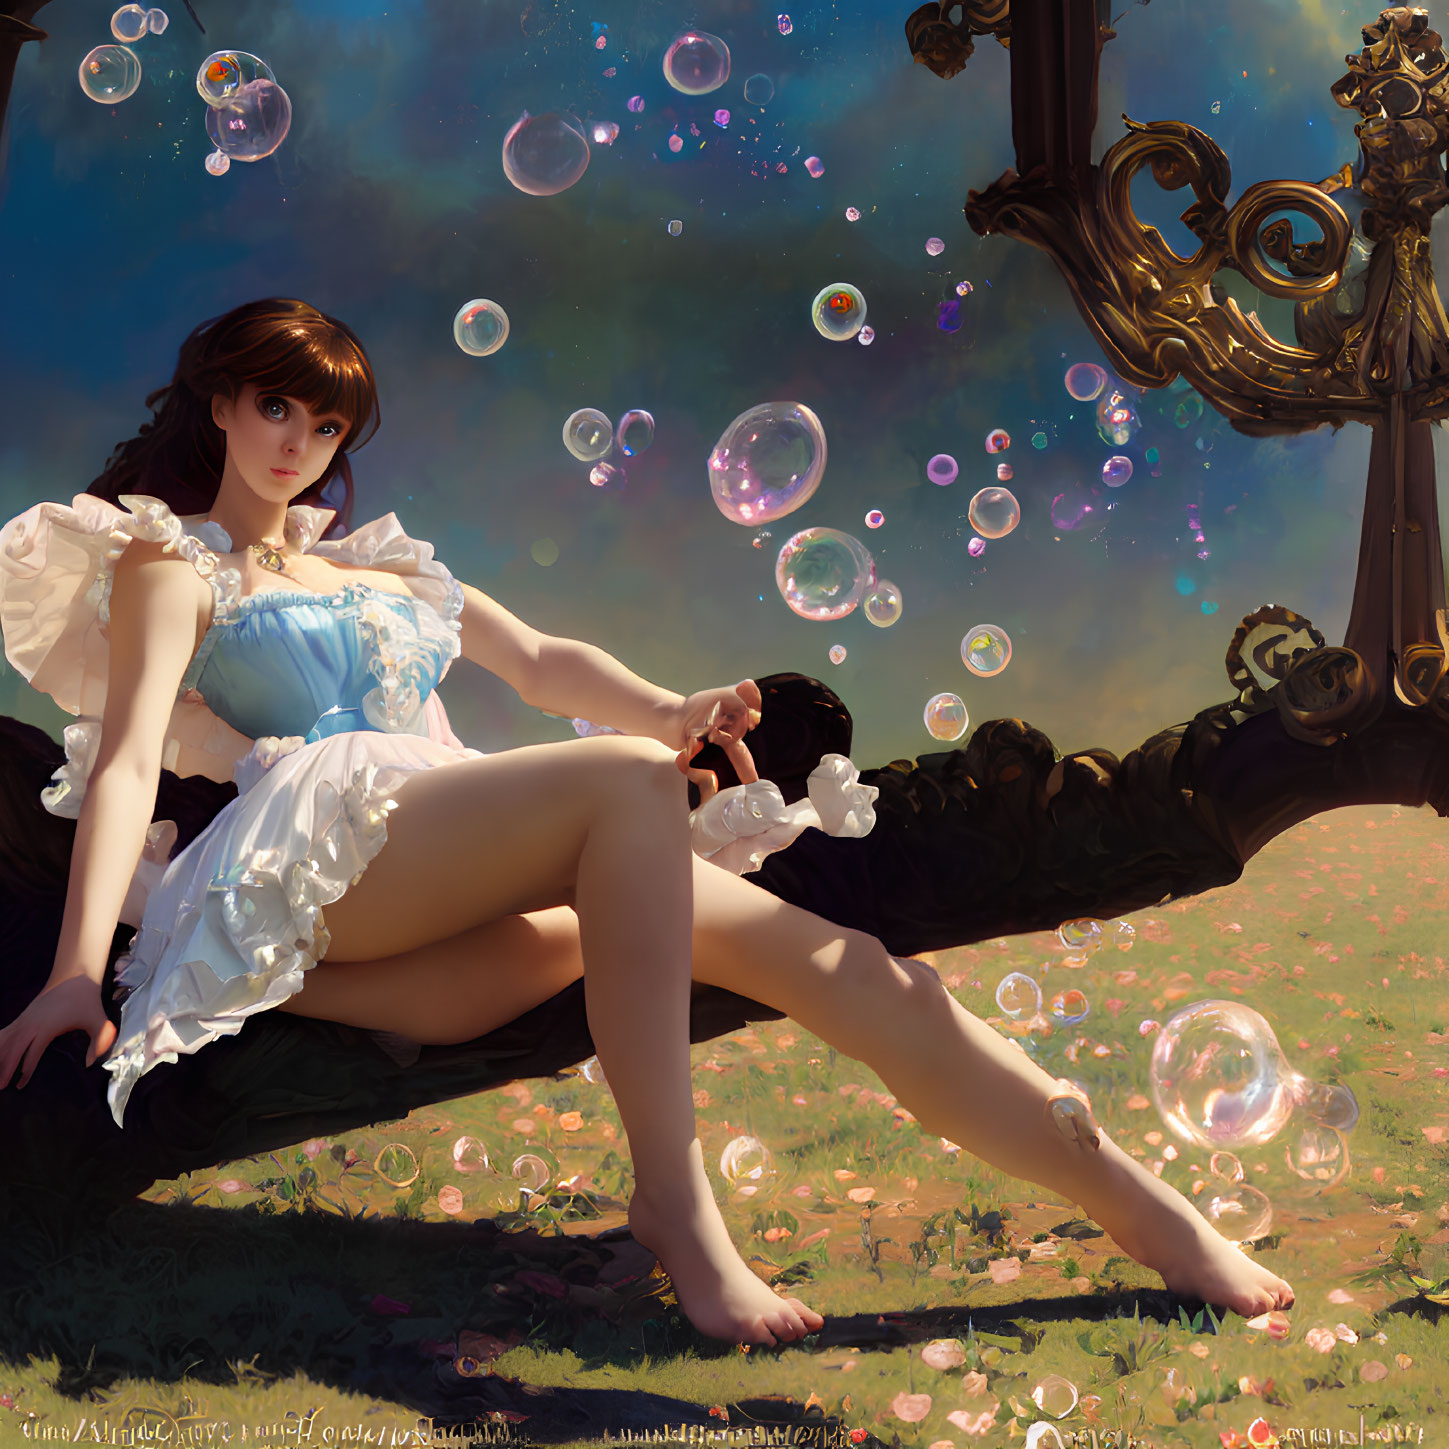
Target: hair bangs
328,375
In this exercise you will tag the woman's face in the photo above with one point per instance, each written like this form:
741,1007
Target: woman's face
277,446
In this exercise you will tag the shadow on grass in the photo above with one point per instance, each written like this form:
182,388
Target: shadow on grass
410,1311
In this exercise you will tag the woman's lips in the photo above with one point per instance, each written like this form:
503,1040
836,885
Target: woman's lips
285,472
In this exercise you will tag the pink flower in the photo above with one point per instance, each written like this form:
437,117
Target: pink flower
450,1200
315,1148
1321,1339
911,1407
973,1384
230,1184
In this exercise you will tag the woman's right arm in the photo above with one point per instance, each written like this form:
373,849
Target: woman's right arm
152,640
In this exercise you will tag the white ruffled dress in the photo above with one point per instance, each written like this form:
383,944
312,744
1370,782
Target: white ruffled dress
318,706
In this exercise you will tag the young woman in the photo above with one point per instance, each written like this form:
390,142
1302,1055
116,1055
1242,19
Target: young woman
192,612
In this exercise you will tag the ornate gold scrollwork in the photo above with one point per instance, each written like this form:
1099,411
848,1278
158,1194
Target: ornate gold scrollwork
1423,677
943,45
1320,691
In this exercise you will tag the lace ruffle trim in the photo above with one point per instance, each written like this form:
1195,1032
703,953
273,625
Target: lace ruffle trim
270,910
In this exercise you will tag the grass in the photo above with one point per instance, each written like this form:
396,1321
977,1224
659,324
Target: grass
377,1284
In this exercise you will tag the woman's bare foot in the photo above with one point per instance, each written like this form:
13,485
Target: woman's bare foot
1159,1227
682,1226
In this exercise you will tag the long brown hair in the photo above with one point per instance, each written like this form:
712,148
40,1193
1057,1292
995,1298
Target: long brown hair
279,344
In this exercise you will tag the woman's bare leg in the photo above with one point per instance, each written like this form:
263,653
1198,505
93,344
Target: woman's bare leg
940,1062
607,830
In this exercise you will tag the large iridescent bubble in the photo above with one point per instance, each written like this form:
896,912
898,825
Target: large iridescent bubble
985,650
1085,381
223,73
588,435
823,574
945,717
110,73
481,327
994,512
1220,1080
543,155
767,463
251,123
129,23
697,63
838,311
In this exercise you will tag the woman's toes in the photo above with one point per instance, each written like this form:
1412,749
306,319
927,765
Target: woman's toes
808,1316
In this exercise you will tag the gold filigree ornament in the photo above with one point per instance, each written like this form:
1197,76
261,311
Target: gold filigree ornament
1423,678
1320,691
944,45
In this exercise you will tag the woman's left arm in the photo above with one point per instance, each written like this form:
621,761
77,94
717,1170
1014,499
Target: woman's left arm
569,678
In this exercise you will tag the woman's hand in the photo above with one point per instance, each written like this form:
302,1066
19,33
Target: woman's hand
70,1005
720,717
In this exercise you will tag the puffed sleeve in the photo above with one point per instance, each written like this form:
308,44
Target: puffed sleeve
57,565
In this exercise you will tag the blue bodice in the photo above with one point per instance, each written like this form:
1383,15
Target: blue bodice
295,662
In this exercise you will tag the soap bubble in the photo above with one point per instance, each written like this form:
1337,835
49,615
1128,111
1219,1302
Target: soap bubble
784,24
1117,420
746,1159
1240,1214
1085,935
635,104
815,166
675,227
1018,996
1188,411
110,73
593,1071
976,547
874,518
588,435
1226,1166
1085,381
1078,508
470,1155
222,74
1055,1396
867,335
985,650
852,213
252,122
1038,441
157,21
676,143
1069,1007
883,604
837,653
994,512
838,311
1124,933
998,440
697,63
946,717
1220,1080
531,1171
759,90
935,246
481,327
397,1165
942,470
963,289
1320,1154
607,476
1005,472
543,155
722,119
767,463
761,538
1116,470
606,133
218,163
635,432
129,23
823,574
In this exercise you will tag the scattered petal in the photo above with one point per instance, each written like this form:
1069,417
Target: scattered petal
1004,1270
1340,1295
973,1384
943,1353
860,1194
450,1200
1373,1371
1322,1340
231,1184
571,1121
911,1407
